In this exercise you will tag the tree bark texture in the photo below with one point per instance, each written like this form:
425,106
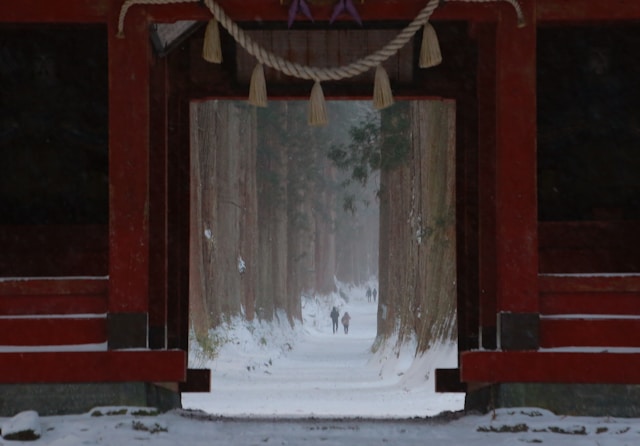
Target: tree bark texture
417,224
224,203
272,212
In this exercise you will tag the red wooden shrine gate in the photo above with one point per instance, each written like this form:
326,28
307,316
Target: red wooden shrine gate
513,307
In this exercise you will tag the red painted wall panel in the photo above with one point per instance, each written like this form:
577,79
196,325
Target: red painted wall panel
110,366
52,331
557,367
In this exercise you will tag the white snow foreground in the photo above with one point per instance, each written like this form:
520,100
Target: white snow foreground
275,370
128,426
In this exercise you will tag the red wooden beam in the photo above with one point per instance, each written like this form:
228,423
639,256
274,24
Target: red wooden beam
53,296
52,11
589,333
516,200
108,366
53,331
53,304
593,283
587,10
558,367
590,294
34,286
590,303
261,11
128,163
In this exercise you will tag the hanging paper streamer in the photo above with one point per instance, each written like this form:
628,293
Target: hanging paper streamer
258,87
212,50
382,95
317,106
430,54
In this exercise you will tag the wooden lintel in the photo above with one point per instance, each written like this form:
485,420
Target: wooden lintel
559,367
594,283
587,10
261,11
51,11
108,366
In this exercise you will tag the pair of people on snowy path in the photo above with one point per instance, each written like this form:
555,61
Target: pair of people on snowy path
335,315
370,293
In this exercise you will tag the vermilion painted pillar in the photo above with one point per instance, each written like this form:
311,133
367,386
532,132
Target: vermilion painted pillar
128,180
515,186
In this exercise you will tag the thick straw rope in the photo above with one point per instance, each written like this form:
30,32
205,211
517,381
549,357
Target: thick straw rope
304,71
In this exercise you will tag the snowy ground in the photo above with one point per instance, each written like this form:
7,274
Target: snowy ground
270,370
308,386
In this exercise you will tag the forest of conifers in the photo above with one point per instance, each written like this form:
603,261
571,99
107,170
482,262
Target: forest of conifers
280,209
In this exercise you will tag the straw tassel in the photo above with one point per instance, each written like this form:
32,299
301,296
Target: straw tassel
430,55
317,106
258,87
382,95
212,51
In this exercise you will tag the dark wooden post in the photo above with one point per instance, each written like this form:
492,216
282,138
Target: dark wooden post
158,205
485,34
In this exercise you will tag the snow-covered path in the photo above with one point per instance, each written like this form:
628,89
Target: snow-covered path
324,374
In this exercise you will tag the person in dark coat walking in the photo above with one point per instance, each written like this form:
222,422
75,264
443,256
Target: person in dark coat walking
345,321
334,318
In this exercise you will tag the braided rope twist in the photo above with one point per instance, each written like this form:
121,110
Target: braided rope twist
322,74
305,71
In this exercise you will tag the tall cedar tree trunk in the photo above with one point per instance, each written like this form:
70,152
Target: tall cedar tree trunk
224,242
301,224
325,240
417,224
272,205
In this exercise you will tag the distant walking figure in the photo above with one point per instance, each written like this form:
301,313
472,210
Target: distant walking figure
334,319
375,294
345,321
368,294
